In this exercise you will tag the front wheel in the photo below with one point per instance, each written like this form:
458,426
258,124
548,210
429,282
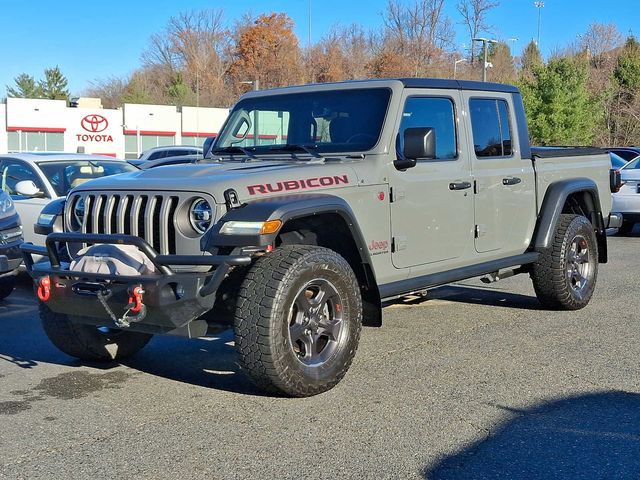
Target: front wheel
297,320
564,277
88,342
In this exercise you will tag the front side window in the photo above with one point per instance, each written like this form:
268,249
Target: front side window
436,113
327,121
15,171
491,127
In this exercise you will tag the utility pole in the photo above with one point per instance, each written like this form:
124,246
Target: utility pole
539,5
485,43
309,32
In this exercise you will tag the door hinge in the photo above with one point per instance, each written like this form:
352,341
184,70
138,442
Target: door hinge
396,194
398,243
480,231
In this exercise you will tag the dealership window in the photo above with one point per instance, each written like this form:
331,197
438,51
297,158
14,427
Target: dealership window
146,142
21,141
193,140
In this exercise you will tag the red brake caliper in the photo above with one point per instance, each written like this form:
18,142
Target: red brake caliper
44,289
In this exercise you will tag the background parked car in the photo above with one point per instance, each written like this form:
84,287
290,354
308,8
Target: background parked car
626,153
10,240
33,180
164,152
627,200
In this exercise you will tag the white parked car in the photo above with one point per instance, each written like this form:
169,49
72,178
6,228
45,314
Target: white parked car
34,179
627,200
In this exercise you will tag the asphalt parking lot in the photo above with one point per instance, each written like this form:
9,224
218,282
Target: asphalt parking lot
475,382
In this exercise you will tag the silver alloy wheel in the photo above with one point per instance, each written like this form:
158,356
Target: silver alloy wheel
578,265
316,322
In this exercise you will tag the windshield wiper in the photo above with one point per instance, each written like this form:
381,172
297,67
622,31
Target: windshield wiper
235,149
297,147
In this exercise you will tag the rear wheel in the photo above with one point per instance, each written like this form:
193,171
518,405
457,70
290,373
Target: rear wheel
88,342
564,277
298,319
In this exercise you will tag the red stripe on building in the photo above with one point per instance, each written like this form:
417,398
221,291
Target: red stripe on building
105,154
150,132
36,129
199,134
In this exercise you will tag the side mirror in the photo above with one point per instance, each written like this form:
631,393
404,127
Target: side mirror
419,143
206,146
27,188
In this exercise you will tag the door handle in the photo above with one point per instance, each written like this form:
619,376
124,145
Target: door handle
459,185
511,181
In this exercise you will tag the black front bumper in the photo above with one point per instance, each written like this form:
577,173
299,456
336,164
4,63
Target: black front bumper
10,241
172,299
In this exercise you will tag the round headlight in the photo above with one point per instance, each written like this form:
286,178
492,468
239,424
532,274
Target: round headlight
78,213
200,215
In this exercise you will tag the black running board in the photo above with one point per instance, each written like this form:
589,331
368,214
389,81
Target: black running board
402,287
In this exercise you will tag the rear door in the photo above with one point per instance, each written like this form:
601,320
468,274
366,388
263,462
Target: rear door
504,183
431,209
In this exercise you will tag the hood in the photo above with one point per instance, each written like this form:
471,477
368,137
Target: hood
251,179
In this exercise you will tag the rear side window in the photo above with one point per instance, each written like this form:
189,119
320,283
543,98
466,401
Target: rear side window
491,127
436,113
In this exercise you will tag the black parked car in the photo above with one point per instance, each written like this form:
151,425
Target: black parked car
10,240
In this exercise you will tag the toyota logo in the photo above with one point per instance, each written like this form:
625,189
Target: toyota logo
94,123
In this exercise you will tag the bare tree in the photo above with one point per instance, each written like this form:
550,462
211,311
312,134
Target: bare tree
474,17
419,33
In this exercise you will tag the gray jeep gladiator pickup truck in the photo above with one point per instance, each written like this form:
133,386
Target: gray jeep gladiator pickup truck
313,206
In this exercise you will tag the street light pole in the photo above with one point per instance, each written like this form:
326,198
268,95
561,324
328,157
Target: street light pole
485,42
539,6
455,66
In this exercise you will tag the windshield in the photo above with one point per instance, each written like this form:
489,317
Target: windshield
616,161
67,174
326,121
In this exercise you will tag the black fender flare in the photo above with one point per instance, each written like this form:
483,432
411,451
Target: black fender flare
284,208
554,200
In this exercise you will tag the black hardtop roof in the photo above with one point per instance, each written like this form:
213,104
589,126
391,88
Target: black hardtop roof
457,84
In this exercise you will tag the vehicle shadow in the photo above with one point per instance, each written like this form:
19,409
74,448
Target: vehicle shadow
474,295
207,362
581,437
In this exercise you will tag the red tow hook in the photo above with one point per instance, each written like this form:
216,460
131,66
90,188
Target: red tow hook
44,289
135,299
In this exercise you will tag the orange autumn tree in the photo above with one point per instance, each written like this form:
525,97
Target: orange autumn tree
266,50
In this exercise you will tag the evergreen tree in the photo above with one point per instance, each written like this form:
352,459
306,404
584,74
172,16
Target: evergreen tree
531,59
54,85
26,87
627,71
559,107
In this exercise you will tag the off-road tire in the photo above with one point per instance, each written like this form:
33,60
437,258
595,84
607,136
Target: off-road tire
268,301
87,342
6,287
553,275
626,228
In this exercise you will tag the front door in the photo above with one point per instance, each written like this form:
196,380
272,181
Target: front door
432,204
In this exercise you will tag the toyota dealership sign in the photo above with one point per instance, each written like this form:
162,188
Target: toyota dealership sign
95,131
94,124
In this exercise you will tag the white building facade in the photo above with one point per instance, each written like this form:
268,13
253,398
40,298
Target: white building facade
28,125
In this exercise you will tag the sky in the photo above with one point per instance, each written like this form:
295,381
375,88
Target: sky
92,40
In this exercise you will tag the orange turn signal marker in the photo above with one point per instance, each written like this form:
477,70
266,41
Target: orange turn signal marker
272,226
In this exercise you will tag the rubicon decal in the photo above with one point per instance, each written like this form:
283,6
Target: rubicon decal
303,184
